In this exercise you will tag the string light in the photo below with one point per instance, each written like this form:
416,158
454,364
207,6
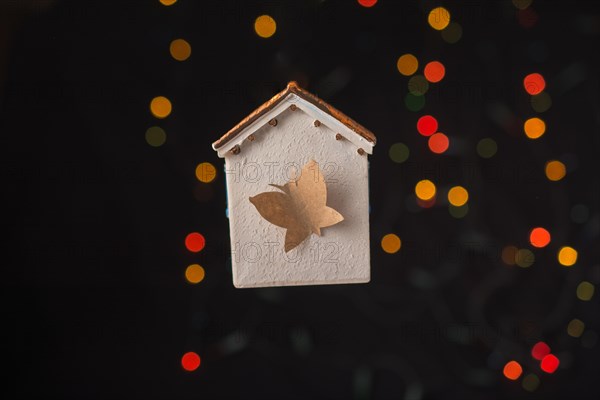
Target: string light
367,3
155,136
438,143
407,64
567,256
425,190
194,273
534,83
549,363
585,291
458,196
512,370
194,242
206,172
265,26
391,243
540,350
427,125
180,49
555,170
434,71
190,361
539,237
438,18
534,128
160,107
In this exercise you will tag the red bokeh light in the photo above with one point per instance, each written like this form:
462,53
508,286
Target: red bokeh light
194,242
540,350
438,143
427,125
539,237
367,3
534,84
190,361
549,363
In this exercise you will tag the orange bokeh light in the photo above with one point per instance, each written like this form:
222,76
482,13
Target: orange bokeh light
438,143
434,71
539,237
512,370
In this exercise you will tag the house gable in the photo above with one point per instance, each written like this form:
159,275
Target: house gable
293,97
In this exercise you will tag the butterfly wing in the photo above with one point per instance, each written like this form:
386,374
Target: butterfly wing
276,208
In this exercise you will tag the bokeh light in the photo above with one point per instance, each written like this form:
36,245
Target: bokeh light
156,136
168,2
555,170
452,33
458,212
190,361
531,382
585,291
487,148
160,107
180,49
194,242
534,84
418,85
458,196
367,3
549,363
540,350
194,273
399,152
427,125
414,103
539,237
509,255
522,4
524,258
575,328
434,71
438,143
206,172
425,189
438,18
265,26
534,128
391,243
567,256
407,64
541,102
512,370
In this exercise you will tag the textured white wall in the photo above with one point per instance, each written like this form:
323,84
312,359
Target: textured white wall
341,254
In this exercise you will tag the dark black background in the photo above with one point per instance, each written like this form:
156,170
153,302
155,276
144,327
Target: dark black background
94,300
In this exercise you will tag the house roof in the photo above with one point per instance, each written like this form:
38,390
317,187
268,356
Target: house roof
293,87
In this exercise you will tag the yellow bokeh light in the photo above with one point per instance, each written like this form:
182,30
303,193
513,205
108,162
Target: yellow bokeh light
180,49
391,243
265,26
534,128
160,107
156,136
458,196
555,170
425,189
167,2
585,291
439,18
524,258
206,172
194,273
407,64
575,328
567,256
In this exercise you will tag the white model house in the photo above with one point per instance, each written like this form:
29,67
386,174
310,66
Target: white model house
279,142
